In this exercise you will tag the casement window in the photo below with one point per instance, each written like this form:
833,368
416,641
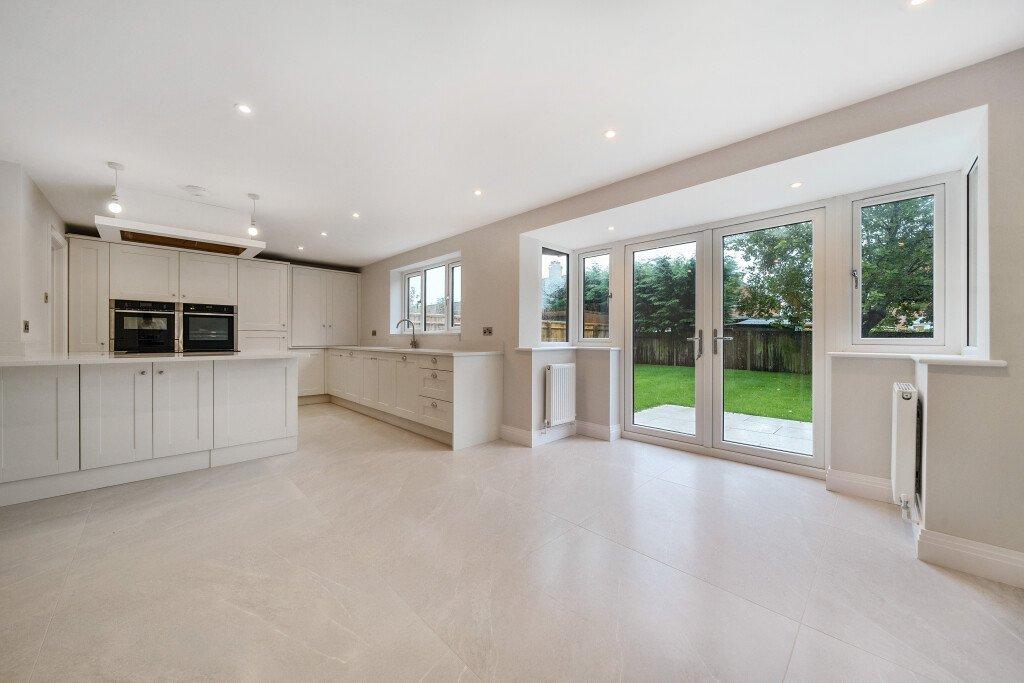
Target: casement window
898,268
432,298
554,296
594,296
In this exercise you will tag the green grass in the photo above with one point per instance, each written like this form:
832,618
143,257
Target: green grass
750,392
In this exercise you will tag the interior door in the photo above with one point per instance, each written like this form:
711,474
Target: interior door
667,344
762,344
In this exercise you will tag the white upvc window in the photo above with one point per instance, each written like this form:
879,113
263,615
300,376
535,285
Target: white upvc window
432,298
555,295
593,298
899,268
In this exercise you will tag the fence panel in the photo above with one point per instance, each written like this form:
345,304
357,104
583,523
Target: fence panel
765,349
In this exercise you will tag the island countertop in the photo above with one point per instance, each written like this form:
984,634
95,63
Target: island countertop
101,358
425,352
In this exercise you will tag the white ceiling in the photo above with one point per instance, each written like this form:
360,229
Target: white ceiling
398,110
925,149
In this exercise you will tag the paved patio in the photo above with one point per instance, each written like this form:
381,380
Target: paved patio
753,430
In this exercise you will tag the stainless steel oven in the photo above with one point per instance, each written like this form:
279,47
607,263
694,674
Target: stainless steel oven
143,326
207,327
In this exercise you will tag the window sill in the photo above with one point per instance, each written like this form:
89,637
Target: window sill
923,358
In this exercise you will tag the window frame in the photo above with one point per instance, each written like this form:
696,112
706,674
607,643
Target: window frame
578,304
939,266
569,313
421,271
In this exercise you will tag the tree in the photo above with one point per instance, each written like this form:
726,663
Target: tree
778,274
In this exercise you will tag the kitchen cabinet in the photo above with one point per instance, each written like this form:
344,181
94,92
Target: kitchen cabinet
38,421
251,401
88,296
182,407
116,413
262,295
407,387
311,373
309,306
342,309
369,391
335,374
262,341
207,279
143,273
387,381
352,376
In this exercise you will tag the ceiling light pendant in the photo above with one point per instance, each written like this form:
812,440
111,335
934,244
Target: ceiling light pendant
114,205
253,231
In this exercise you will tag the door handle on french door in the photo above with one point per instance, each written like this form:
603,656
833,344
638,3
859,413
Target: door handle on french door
698,344
715,339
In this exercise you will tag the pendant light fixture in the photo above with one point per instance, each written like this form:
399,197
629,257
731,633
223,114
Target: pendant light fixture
114,205
252,220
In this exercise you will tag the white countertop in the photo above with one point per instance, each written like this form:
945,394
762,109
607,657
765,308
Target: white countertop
425,352
100,358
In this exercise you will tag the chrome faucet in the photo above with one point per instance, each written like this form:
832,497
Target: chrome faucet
412,326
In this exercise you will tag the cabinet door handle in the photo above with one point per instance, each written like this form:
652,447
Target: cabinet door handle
433,404
433,375
284,324
159,372
142,372
404,357
434,361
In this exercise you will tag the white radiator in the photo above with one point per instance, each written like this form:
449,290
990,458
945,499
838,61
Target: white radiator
559,394
904,445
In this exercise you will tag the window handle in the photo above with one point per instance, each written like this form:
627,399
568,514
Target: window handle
856,278
698,344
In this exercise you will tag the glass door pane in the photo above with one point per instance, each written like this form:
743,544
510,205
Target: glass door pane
764,347
664,318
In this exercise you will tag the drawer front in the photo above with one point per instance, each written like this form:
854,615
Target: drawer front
436,362
436,413
436,384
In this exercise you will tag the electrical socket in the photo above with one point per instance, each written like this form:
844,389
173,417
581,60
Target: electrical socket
373,333
24,326
488,331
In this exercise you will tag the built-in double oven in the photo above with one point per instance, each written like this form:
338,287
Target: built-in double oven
163,327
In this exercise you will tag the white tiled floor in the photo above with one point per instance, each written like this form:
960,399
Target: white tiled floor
372,553
767,432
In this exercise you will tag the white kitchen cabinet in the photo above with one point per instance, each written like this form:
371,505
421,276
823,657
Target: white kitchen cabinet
407,387
352,376
143,273
207,279
369,391
117,413
38,421
335,374
311,373
88,296
251,401
262,295
309,306
251,340
182,407
387,381
342,309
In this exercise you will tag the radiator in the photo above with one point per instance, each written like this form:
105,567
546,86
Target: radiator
905,445
559,394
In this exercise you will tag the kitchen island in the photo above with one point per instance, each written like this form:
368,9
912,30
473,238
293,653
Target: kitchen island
73,422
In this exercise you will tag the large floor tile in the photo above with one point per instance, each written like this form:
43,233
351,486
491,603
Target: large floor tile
818,657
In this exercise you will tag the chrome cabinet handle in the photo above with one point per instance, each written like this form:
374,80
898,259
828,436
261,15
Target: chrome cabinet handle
433,375
698,344
142,372
404,357
159,372
716,339
433,404
434,361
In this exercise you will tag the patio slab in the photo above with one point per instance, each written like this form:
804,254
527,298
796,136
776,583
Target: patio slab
777,433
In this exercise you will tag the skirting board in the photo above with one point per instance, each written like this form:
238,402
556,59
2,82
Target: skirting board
972,557
314,398
538,437
596,431
401,422
860,485
253,451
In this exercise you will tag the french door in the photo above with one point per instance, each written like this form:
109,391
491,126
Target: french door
721,350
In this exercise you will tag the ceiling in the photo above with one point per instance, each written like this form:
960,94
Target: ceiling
926,149
399,110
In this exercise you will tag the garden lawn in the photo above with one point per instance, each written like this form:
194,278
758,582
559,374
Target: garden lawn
750,392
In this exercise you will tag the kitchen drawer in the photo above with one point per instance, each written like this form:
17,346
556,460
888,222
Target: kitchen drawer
436,362
436,413
436,384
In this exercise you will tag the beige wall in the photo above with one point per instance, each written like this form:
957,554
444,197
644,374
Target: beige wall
960,400
597,386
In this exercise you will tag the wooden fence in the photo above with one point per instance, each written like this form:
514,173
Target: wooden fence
758,348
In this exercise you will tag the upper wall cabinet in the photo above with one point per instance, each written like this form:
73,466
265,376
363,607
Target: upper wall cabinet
143,273
262,295
208,279
325,307
88,294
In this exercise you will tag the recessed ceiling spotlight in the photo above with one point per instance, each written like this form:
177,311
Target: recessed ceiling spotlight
478,192
611,227
610,133
323,234
355,215
301,247
243,108
252,219
797,184
916,3
114,205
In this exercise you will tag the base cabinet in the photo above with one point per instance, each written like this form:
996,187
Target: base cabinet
335,374
182,408
117,413
312,373
407,395
352,377
38,421
387,382
251,401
